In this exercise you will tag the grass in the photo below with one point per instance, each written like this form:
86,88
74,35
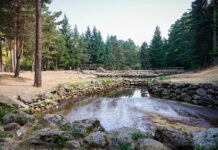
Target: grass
106,82
149,83
35,128
201,147
62,141
126,147
161,78
4,110
139,135
74,130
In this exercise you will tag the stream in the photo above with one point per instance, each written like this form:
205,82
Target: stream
134,107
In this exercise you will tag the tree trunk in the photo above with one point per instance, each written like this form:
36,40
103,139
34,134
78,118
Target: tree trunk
214,32
1,62
33,65
18,41
12,58
38,59
56,64
15,54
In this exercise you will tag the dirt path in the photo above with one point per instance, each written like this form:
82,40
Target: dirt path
50,79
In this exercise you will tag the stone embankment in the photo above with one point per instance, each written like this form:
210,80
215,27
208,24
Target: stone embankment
137,73
201,94
55,132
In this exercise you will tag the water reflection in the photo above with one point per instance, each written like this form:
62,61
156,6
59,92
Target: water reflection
135,108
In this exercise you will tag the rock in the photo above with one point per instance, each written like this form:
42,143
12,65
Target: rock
11,126
201,92
21,132
175,139
49,138
121,137
52,120
73,144
150,144
88,125
48,95
100,69
1,129
18,117
207,139
28,99
11,101
96,139
196,97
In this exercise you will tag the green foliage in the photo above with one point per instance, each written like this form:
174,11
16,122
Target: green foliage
35,128
26,64
139,135
106,82
5,135
200,147
62,141
4,110
126,147
149,83
74,130
161,78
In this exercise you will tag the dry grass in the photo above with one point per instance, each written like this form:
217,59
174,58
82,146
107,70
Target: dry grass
206,76
50,79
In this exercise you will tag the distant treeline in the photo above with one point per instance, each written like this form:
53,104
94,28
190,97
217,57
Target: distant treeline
190,43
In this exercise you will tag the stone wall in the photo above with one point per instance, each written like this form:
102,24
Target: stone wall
201,94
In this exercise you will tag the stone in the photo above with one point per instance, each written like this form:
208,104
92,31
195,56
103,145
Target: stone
11,126
73,144
18,117
150,144
49,138
188,98
88,125
201,92
96,139
48,95
52,120
208,138
175,139
21,132
28,99
1,129
100,69
119,138
196,97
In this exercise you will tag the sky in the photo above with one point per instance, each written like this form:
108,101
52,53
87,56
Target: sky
135,19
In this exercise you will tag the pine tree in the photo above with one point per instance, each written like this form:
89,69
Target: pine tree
156,52
144,57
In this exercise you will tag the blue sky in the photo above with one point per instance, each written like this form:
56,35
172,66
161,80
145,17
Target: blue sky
135,19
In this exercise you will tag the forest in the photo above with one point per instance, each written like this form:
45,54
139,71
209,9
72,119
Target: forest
191,42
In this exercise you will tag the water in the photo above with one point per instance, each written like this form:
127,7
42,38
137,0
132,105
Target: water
135,108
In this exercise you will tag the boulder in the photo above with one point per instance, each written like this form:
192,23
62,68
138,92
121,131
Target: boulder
96,139
52,120
28,99
201,92
21,132
1,129
175,139
120,138
207,139
49,138
18,117
11,126
73,144
88,125
150,144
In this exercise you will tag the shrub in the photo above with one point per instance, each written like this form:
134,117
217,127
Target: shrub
126,147
201,147
62,141
106,82
74,130
162,78
4,110
149,83
139,135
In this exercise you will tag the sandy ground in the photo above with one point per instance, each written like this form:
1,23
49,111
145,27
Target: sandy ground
206,76
50,79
